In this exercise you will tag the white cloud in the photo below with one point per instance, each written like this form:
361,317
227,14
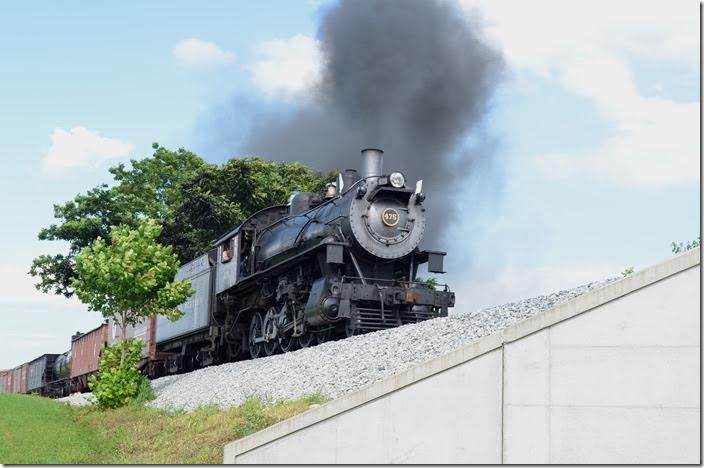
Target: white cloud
288,67
498,287
80,147
581,46
197,53
540,35
656,141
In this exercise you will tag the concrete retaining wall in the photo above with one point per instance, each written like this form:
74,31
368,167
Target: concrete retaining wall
610,377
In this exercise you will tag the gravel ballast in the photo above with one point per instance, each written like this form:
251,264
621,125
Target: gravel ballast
339,367
77,399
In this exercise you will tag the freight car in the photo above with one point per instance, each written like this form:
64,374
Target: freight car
323,266
85,356
19,379
40,372
58,375
4,380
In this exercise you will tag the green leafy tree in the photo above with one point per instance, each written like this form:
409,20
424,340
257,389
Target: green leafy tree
195,202
628,271
131,278
218,198
150,187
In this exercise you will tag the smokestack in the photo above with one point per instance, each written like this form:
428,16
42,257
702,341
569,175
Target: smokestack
372,162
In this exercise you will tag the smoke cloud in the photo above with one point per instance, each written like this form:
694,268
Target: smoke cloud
412,77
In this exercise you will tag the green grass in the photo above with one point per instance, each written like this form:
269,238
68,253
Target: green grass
38,430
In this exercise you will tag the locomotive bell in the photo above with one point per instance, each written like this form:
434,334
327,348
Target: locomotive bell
372,162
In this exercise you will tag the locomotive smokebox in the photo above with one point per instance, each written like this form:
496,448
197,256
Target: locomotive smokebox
372,162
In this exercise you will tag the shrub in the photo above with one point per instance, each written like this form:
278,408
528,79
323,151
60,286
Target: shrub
628,271
115,385
682,247
430,283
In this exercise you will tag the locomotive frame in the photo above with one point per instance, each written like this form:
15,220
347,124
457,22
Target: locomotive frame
323,266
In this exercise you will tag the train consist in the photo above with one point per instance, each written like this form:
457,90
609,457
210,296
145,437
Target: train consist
58,375
324,266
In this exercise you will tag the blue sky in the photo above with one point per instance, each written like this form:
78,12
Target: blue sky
596,129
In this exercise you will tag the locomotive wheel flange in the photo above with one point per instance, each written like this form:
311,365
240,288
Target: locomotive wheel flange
305,339
255,331
271,340
287,342
322,336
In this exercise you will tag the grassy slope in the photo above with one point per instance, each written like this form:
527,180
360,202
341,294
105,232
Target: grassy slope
38,430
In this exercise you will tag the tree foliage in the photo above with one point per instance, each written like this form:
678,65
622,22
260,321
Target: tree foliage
218,198
115,384
131,278
194,201
149,188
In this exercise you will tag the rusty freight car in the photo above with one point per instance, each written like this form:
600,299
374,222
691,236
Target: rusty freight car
19,378
4,377
85,356
9,381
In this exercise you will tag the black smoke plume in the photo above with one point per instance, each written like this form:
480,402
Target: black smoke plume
412,77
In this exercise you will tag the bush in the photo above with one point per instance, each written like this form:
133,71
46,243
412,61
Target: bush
682,247
115,385
430,283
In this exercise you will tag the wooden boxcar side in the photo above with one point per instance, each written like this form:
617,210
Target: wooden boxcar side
85,356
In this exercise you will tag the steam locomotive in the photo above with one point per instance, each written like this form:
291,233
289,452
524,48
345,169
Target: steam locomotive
323,266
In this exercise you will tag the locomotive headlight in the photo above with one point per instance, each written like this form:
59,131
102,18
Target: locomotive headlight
397,180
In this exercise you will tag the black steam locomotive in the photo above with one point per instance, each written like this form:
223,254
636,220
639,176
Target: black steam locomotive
324,266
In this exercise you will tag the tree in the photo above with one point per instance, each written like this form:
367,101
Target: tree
195,202
150,187
218,198
131,278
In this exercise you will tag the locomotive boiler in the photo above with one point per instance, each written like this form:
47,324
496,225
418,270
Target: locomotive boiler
326,265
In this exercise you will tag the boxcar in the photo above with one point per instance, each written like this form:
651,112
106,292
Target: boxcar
85,356
19,379
4,376
40,373
9,381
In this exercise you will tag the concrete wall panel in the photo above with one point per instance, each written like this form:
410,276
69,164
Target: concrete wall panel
624,376
654,316
409,426
526,434
610,377
624,435
527,370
